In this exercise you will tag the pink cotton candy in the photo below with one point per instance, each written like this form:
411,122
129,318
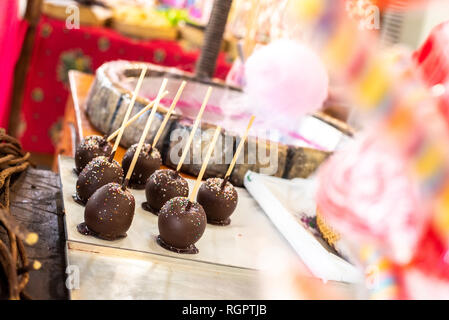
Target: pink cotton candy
285,80
366,193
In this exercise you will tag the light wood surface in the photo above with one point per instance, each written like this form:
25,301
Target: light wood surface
113,274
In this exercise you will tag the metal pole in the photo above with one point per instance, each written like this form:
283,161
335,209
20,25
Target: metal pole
206,64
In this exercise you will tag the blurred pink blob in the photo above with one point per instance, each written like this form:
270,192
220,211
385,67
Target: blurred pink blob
236,76
366,193
286,80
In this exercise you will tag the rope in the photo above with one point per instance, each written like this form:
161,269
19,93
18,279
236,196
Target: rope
14,264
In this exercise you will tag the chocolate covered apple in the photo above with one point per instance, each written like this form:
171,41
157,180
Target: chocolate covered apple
181,224
219,200
149,161
182,221
162,186
109,212
90,148
99,172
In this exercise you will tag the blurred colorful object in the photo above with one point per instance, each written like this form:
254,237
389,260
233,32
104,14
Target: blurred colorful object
199,10
389,189
144,22
174,16
433,61
12,32
382,278
236,76
433,56
362,186
58,49
406,4
285,80
344,32
144,16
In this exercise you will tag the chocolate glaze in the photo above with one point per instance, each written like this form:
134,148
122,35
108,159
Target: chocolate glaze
147,207
219,200
181,224
109,212
189,250
162,186
149,161
96,174
77,199
90,148
84,230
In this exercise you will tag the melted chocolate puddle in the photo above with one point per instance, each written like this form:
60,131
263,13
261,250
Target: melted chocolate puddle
147,207
190,250
78,200
84,230
223,223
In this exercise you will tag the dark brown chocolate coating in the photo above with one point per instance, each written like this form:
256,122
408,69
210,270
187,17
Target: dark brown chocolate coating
109,211
147,163
90,148
218,203
181,224
96,174
164,185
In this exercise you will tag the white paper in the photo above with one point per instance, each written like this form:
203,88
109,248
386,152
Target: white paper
281,201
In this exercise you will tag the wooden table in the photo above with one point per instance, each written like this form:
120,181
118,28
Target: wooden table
36,203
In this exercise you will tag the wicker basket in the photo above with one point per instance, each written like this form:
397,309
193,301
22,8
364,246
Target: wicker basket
329,234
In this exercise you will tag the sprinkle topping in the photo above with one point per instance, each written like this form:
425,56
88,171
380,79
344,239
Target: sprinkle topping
95,171
145,152
227,193
168,179
91,142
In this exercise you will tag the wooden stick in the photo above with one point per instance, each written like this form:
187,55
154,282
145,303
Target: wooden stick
170,111
76,105
145,132
195,126
137,116
240,147
130,107
204,166
250,41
